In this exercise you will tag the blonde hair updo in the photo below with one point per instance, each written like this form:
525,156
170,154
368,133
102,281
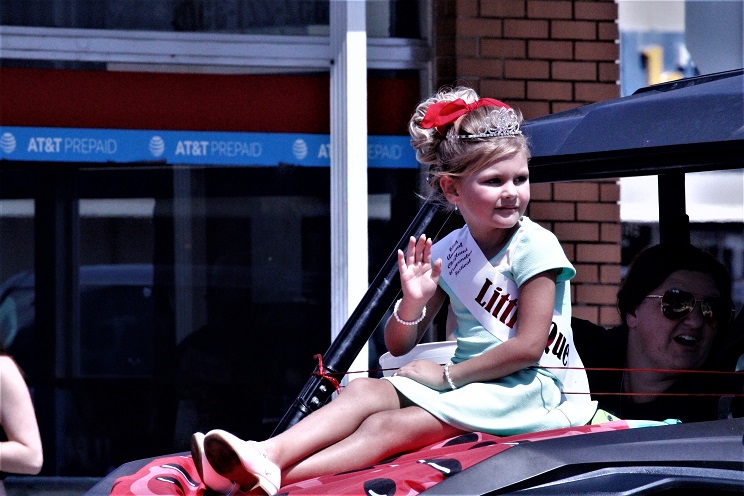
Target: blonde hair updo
458,157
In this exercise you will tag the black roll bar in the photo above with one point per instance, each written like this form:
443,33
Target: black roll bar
358,328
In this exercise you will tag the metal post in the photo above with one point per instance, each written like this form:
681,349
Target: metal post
349,256
674,223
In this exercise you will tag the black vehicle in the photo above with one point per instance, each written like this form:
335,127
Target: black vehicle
690,125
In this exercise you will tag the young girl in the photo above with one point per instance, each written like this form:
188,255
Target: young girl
500,270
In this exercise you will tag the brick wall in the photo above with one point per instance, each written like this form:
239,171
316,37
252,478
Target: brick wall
546,56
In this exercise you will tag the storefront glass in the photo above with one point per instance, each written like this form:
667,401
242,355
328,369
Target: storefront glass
392,18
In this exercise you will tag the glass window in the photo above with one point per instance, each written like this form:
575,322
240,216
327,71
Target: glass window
16,272
393,18
198,298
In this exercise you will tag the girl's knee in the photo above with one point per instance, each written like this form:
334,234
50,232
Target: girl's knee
365,386
380,424
370,396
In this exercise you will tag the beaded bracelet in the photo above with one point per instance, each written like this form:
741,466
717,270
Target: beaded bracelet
447,376
406,322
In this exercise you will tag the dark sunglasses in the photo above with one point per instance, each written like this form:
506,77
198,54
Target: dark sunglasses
677,304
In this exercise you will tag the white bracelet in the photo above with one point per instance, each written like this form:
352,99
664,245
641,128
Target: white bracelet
447,376
405,322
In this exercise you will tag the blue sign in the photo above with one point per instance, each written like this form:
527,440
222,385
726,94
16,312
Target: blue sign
190,147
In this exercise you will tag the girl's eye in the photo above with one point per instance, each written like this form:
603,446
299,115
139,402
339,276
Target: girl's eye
521,179
494,180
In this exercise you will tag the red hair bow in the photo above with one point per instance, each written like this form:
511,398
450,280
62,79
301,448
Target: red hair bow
440,114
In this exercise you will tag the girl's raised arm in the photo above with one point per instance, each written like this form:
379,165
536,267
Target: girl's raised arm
421,300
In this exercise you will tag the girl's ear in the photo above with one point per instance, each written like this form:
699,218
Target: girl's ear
449,188
631,319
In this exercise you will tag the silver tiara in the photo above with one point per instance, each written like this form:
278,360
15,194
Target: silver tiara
499,122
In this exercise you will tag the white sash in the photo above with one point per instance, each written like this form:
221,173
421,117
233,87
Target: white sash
492,298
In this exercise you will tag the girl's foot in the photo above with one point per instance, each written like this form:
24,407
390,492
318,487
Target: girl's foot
209,477
243,462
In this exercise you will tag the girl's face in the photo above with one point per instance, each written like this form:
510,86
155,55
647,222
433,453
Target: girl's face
493,198
654,341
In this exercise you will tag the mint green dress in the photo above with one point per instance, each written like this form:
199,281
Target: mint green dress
526,401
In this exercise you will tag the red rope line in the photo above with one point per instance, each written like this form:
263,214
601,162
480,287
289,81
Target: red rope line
603,369
325,375
656,394
664,371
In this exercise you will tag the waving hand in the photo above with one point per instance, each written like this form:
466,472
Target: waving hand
418,276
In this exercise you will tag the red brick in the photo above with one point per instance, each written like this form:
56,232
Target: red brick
550,49
510,49
573,30
586,273
467,8
549,90
503,89
611,233
545,224
598,211
563,106
552,210
596,92
531,110
608,51
480,67
598,11
600,253
607,31
609,192
577,191
542,192
576,231
548,9
501,8
466,47
609,72
528,29
596,293
478,28
609,316
609,273
574,71
526,69
586,312
569,249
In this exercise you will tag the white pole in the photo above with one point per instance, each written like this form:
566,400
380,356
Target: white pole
349,257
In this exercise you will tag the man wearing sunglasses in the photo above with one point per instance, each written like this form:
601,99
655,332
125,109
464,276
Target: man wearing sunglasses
676,309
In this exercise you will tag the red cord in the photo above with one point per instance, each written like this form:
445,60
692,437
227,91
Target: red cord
614,369
325,375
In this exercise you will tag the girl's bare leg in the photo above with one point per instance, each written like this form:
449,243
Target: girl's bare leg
333,422
379,436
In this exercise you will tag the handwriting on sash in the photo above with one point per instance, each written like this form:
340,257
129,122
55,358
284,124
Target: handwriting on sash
458,257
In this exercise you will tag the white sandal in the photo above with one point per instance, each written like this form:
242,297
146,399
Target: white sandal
211,479
243,462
